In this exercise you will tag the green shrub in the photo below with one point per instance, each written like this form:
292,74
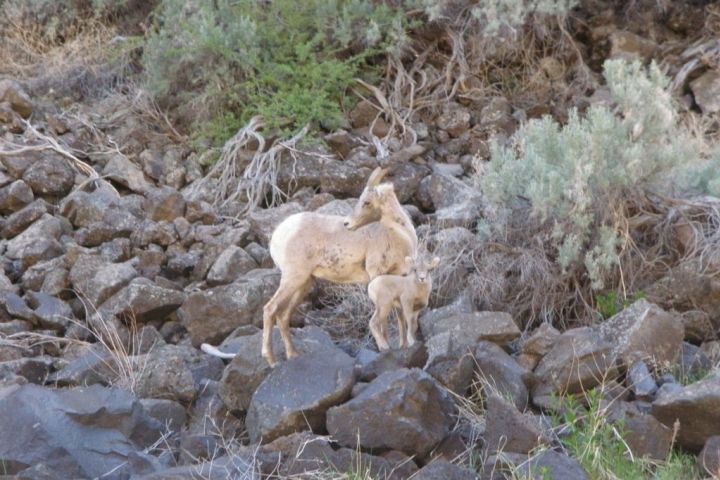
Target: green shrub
610,304
290,62
581,178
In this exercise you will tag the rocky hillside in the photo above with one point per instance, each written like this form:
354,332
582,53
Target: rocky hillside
128,239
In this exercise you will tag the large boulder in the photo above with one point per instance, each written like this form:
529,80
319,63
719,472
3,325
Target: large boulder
248,369
38,242
500,372
230,265
450,362
143,301
509,430
174,372
405,410
97,280
297,393
51,176
709,457
696,407
20,220
578,361
107,426
644,331
304,455
393,359
15,196
212,314
467,329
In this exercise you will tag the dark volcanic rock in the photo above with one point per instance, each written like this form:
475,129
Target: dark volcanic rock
51,176
142,300
211,315
509,430
15,196
470,328
709,457
248,369
404,410
502,373
444,470
298,392
109,425
578,361
20,220
394,359
696,407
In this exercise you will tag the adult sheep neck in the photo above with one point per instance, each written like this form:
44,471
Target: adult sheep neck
373,241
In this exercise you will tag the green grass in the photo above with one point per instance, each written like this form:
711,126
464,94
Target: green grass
599,446
610,304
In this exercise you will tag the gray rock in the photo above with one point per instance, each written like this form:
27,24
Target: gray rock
706,90
211,315
264,221
393,359
640,381
208,408
693,361
647,437
643,331
169,413
110,421
224,467
667,389
13,93
231,264
450,362
248,369
455,120
143,301
148,232
12,306
52,176
467,329
709,457
35,370
95,366
164,204
444,470
303,455
83,209
509,430
404,410
38,242
578,361
51,313
500,372
97,280
49,277
546,464
696,407
541,341
15,196
174,372
121,170
20,220
297,393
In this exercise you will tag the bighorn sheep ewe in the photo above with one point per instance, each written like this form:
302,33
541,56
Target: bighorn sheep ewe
373,240
410,293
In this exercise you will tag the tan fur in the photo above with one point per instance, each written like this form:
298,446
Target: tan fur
408,293
373,241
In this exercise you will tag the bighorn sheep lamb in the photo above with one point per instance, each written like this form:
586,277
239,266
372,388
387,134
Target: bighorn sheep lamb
373,240
410,293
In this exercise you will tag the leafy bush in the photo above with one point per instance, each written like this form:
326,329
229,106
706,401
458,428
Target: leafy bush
290,62
581,178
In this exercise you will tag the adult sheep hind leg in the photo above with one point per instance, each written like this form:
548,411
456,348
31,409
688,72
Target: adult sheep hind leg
277,307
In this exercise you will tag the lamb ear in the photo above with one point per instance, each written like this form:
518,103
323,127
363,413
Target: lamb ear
408,260
435,262
376,177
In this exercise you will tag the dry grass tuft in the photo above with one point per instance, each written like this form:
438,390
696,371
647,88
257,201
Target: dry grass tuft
89,59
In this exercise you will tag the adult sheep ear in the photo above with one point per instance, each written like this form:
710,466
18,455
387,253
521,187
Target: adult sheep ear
376,177
435,262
